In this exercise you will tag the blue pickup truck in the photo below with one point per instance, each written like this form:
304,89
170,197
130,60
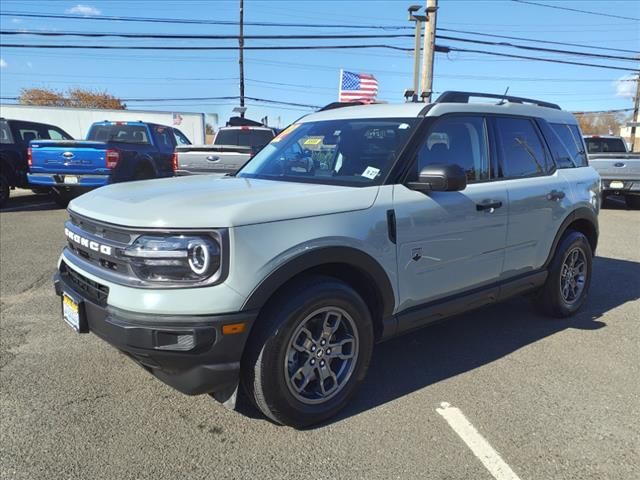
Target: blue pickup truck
113,152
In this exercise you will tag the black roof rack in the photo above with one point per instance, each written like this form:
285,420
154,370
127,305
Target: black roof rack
463,97
334,105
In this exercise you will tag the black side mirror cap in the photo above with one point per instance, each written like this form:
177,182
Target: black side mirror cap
440,178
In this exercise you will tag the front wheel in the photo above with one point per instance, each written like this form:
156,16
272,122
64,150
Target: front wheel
309,353
567,284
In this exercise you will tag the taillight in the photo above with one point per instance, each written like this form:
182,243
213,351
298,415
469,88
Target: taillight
174,162
112,157
29,157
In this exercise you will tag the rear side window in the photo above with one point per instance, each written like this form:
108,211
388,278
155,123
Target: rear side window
569,136
457,140
56,134
520,148
120,133
5,133
181,138
165,140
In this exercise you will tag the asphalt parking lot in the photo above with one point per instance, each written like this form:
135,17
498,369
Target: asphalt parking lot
555,399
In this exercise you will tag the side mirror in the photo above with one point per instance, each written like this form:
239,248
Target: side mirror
440,178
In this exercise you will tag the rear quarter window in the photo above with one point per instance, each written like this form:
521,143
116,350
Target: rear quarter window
5,134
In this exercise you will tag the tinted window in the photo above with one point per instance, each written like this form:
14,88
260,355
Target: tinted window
605,145
571,140
180,137
57,134
457,140
244,138
339,152
5,133
28,134
520,147
119,133
164,138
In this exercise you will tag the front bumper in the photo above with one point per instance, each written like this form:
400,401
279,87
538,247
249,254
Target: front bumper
189,353
58,180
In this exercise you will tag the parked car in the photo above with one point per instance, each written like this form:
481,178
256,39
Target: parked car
279,280
231,149
113,152
618,168
15,136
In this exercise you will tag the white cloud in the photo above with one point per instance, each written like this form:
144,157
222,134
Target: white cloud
85,10
3,64
625,86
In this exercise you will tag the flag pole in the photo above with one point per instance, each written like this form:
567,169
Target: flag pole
340,84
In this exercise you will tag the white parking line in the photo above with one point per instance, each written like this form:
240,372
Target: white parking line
476,443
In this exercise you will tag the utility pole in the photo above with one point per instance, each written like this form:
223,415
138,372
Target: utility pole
418,19
429,51
241,60
634,118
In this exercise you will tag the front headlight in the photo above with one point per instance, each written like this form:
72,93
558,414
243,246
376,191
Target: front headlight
174,259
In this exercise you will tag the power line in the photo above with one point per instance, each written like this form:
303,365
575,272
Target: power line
604,112
538,49
536,40
600,14
48,33
147,47
197,21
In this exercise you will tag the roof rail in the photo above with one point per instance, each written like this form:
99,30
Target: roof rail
334,105
463,97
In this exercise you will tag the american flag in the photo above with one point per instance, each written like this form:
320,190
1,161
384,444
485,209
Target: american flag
357,86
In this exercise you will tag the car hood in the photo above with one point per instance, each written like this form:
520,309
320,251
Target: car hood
206,201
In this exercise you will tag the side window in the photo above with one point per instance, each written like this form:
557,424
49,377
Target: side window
457,140
571,139
55,134
520,147
28,134
164,139
180,137
5,133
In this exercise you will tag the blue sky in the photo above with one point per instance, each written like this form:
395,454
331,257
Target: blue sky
311,77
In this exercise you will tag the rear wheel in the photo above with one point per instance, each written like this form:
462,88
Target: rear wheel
567,285
4,189
309,353
61,197
632,201
144,173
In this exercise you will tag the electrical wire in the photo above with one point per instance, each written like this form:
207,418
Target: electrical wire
599,14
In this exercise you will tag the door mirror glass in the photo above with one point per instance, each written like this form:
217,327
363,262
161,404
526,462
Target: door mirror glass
440,178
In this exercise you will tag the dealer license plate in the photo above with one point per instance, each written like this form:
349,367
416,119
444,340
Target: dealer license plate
616,184
71,312
70,179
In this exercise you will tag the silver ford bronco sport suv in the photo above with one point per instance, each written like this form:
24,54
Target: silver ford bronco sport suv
355,224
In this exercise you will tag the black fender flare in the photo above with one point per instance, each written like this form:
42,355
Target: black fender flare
581,213
318,257
143,161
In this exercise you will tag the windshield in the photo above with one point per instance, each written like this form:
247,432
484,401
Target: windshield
605,145
120,133
340,152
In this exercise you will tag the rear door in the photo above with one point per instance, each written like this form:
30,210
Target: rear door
539,198
450,242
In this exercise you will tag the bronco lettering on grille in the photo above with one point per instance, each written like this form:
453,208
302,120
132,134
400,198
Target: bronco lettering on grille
85,242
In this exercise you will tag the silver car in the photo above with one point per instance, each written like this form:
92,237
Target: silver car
352,226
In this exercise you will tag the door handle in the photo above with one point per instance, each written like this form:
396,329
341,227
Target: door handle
556,195
488,207
213,158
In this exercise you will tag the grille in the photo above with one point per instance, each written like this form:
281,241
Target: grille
93,291
100,230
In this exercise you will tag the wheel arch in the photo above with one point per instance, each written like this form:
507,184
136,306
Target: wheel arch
352,266
583,220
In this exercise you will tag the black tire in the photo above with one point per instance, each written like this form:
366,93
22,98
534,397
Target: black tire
144,173
265,377
4,190
633,202
61,197
549,299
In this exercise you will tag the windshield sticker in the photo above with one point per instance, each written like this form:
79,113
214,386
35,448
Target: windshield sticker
313,141
285,132
371,173
403,126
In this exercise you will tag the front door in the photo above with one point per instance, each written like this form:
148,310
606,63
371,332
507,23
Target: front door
450,242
